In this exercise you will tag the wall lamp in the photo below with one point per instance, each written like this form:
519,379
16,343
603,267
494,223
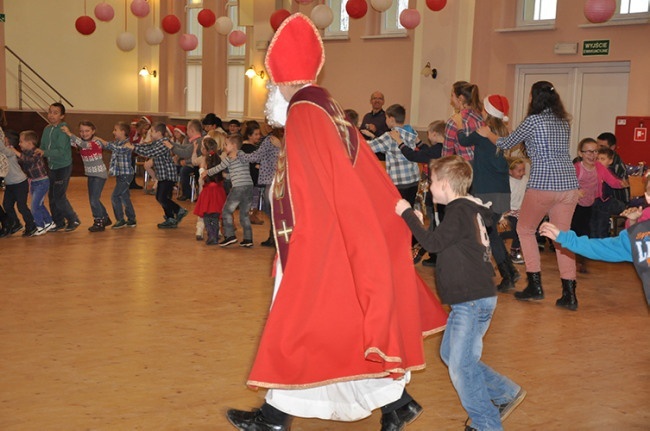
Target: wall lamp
428,71
252,73
145,72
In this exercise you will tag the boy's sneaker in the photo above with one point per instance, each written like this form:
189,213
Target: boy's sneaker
107,221
507,408
180,215
246,243
49,226
40,231
228,241
57,228
170,223
16,228
516,256
119,224
72,225
131,223
30,232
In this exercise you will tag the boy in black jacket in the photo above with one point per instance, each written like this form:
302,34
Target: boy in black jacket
464,281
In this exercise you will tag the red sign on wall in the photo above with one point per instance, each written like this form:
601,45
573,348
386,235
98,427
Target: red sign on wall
640,134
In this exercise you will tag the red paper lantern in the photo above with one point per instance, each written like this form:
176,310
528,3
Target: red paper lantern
171,24
356,8
277,17
104,12
409,18
207,18
436,5
598,11
237,38
188,42
85,25
140,8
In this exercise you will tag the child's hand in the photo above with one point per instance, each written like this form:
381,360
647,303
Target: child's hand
66,130
396,137
419,215
549,230
129,145
168,144
401,206
38,152
625,183
203,174
633,213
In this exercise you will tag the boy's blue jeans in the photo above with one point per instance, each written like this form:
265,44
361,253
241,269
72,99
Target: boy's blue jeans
478,386
95,188
39,190
238,197
121,198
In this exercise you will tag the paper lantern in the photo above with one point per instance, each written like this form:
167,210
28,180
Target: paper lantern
171,24
409,18
104,12
436,5
381,5
126,41
85,25
223,25
237,38
356,8
188,42
598,11
154,36
277,17
140,8
322,16
206,18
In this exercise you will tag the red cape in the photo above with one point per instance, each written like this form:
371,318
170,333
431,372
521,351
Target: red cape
350,304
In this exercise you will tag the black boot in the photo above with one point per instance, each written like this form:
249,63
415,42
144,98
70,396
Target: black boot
514,274
568,299
506,280
212,227
397,419
534,288
255,421
98,225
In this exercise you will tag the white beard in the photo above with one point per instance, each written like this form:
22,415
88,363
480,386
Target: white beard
276,107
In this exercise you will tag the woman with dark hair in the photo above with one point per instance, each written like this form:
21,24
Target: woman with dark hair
552,188
252,138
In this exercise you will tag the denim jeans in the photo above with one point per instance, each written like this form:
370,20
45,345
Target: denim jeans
59,205
121,198
39,190
95,188
238,197
477,385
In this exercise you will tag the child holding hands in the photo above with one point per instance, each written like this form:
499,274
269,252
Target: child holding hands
212,198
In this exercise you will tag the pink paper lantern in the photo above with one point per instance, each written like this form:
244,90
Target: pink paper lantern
104,12
237,38
598,11
436,5
85,25
171,24
277,17
188,42
206,18
356,8
409,18
140,8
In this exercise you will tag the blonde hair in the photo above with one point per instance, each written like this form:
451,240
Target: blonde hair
455,170
513,163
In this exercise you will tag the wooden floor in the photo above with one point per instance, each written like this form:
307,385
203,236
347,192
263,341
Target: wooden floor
143,329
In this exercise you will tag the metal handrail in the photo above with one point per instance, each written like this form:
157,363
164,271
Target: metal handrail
22,83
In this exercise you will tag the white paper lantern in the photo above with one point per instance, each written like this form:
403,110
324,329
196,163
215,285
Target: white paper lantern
223,25
126,41
322,16
381,5
154,36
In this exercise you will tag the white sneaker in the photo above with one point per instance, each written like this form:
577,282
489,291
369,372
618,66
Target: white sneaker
48,227
40,231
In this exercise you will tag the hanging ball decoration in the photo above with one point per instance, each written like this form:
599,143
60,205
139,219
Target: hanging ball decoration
356,8
171,24
85,25
126,41
207,18
598,11
104,12
436,5
223,25
237,38
277,17
140,8
188,42
154,36
322,16
409,18
381,5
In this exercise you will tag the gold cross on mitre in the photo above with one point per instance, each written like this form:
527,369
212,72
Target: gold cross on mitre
285,231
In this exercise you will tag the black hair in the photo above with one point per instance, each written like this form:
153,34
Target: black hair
212,120
13,138
352,116
544,96
250,127
160,127
60,106
235,122
609,137
398,112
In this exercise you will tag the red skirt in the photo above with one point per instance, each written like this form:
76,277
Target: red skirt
211,199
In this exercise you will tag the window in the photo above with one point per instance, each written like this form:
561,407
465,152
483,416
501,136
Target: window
536,12
390,19
632,9
194,60
340,23
235,70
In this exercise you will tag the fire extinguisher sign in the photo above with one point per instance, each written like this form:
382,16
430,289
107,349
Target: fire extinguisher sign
640,134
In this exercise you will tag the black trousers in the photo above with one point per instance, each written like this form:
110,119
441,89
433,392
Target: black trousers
16,195
163,196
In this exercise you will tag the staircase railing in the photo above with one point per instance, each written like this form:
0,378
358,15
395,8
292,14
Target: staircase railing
34,92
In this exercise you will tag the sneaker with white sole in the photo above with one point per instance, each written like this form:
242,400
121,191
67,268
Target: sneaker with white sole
246,243
41,231
507,408
228,241
49,226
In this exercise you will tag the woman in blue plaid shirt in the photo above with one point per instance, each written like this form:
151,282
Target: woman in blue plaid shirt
552,188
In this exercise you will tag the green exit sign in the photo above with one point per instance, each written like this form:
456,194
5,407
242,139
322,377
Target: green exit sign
595,47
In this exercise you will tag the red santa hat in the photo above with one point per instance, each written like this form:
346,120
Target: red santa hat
497,106
170,129
147,118
295,54
181,129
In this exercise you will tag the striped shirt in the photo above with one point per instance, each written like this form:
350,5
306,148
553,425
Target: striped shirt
240,174
546,138
120,159
163,163
400,170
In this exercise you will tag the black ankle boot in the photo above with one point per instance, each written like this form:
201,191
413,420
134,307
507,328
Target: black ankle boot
506,279
254,421
534,289
397,419
568,299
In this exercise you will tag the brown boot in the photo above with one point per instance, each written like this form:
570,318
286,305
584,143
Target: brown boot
254,216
